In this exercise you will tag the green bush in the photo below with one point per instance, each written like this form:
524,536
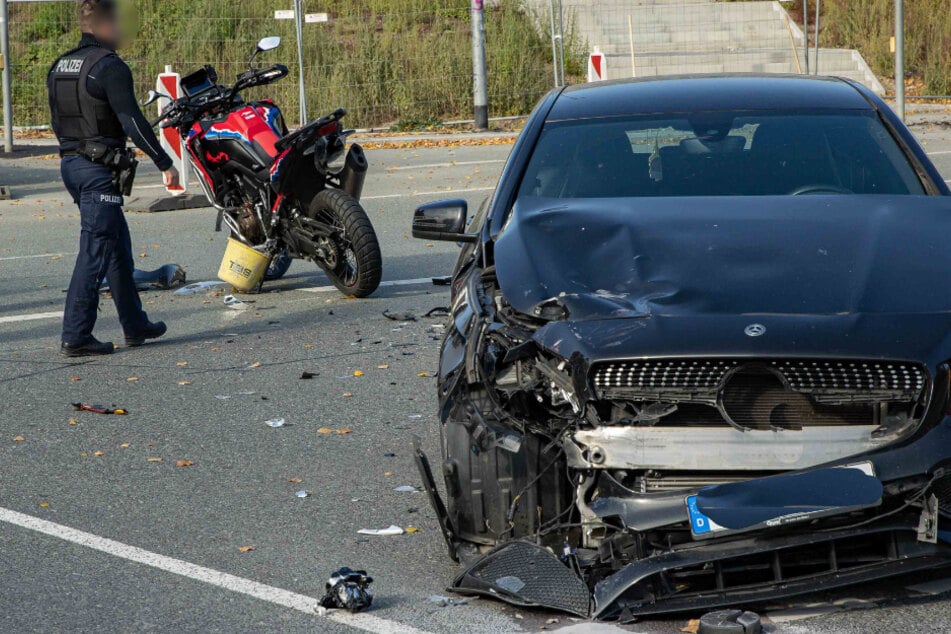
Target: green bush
383,60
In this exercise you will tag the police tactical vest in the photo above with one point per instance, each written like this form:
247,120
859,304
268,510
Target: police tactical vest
77,115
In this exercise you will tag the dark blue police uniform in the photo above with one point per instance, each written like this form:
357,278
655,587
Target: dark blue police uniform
92,99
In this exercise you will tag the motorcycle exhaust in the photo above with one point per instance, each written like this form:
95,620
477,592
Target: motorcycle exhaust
354,172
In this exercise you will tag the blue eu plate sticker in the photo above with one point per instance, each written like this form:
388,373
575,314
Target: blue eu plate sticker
700,524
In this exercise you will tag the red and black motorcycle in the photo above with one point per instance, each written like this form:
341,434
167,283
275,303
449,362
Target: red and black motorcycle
288,195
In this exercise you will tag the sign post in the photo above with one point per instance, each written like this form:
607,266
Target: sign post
597,66
169,83
480,96
300,18
5,61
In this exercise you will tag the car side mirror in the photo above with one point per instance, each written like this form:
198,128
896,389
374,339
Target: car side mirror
443,220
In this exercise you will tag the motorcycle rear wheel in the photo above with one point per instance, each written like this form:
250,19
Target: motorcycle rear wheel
356,264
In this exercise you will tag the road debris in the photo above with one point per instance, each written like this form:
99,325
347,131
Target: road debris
184,463
393,529
245,549
348,590
439,311
99,409
19,439
442,281
306,376
400,316
731,621
198,287
234,303
407,488
276,422
445,602
302,494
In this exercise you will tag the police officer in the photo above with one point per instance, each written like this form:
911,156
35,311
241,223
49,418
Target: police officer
94,112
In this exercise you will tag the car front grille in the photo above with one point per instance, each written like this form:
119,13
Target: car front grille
700,380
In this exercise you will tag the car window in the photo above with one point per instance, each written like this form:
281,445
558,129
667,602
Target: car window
719,154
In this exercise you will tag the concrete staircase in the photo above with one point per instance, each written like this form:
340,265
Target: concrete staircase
700,36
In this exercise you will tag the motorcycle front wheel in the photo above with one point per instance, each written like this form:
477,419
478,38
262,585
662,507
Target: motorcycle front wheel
353,262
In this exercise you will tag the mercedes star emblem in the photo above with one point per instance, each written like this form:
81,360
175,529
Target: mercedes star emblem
755,330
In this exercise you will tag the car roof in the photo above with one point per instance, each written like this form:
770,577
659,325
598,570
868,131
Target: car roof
691,93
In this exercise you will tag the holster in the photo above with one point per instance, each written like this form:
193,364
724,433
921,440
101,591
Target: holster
121,161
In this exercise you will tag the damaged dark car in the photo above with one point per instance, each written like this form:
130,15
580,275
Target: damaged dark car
698,351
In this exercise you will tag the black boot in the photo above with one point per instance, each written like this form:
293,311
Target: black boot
152,331
91,348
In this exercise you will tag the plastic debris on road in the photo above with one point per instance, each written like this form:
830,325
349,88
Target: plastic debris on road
99,409
445,602
382,532
276,422
302,494
348,590
198,287
236,304
399,316
308,375
407,488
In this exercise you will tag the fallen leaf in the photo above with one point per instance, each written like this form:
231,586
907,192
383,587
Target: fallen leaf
347,394
154,460
692,626
423,374
256,364
143,255
182,364
124,445
383,367
19,439
184,382
75,378
184,463
99,454
325,430
295,480
84,455
342,431
215,349
44,505
357,373
308,346
73,421
388,474
132,379
411,529
245,549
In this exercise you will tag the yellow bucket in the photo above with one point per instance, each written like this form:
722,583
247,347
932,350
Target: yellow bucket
242,266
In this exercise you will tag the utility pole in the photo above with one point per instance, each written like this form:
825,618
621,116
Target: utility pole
299,24
900,57
805,31
7,97
818,19
480,91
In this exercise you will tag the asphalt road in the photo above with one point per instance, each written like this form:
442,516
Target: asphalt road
100,530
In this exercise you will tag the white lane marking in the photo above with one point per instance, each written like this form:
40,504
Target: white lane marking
277,596
415,282
32,317
938,152
450,164
448,192
34,257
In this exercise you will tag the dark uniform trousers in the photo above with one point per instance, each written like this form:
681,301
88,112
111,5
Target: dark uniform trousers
105,249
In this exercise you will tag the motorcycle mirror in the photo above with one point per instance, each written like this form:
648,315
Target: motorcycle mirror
152,97
269,43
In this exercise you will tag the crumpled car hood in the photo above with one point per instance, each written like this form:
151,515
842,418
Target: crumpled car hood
792,255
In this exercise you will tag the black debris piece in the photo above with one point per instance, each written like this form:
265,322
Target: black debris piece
439,311
442,281
399,316
348,590
308,375
730,622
